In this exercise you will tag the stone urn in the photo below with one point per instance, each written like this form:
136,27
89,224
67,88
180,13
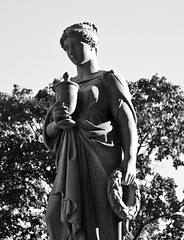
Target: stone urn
66,94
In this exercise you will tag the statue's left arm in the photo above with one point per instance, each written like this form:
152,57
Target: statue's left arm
124,115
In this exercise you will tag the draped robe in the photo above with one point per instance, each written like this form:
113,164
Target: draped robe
87,154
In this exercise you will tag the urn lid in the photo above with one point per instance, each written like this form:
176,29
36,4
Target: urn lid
65,81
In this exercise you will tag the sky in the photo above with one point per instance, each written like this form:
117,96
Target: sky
138,38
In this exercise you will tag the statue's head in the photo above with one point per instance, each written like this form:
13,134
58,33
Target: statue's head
86,32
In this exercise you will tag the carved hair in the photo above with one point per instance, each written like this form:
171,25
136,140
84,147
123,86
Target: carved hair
86,32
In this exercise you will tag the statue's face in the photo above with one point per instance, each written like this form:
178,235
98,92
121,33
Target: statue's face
78,52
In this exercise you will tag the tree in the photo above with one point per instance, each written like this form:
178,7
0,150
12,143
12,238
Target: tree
160,111
28,169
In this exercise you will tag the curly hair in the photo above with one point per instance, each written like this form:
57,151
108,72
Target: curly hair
86,32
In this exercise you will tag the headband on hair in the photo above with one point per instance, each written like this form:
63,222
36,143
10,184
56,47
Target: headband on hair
86,32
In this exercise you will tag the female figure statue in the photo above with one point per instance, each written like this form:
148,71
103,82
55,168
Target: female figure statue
103,139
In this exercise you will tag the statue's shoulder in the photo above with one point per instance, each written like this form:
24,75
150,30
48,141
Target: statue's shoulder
113,77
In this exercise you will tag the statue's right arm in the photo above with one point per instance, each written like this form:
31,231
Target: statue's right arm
50,132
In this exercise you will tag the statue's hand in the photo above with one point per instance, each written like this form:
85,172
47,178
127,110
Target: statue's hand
60,112
129,172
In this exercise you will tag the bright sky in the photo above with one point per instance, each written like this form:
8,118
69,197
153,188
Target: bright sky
138,38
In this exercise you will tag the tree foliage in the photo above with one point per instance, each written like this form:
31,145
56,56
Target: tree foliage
28,170
26,165
160,111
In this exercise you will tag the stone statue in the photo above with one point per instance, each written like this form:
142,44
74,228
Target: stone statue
101,139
